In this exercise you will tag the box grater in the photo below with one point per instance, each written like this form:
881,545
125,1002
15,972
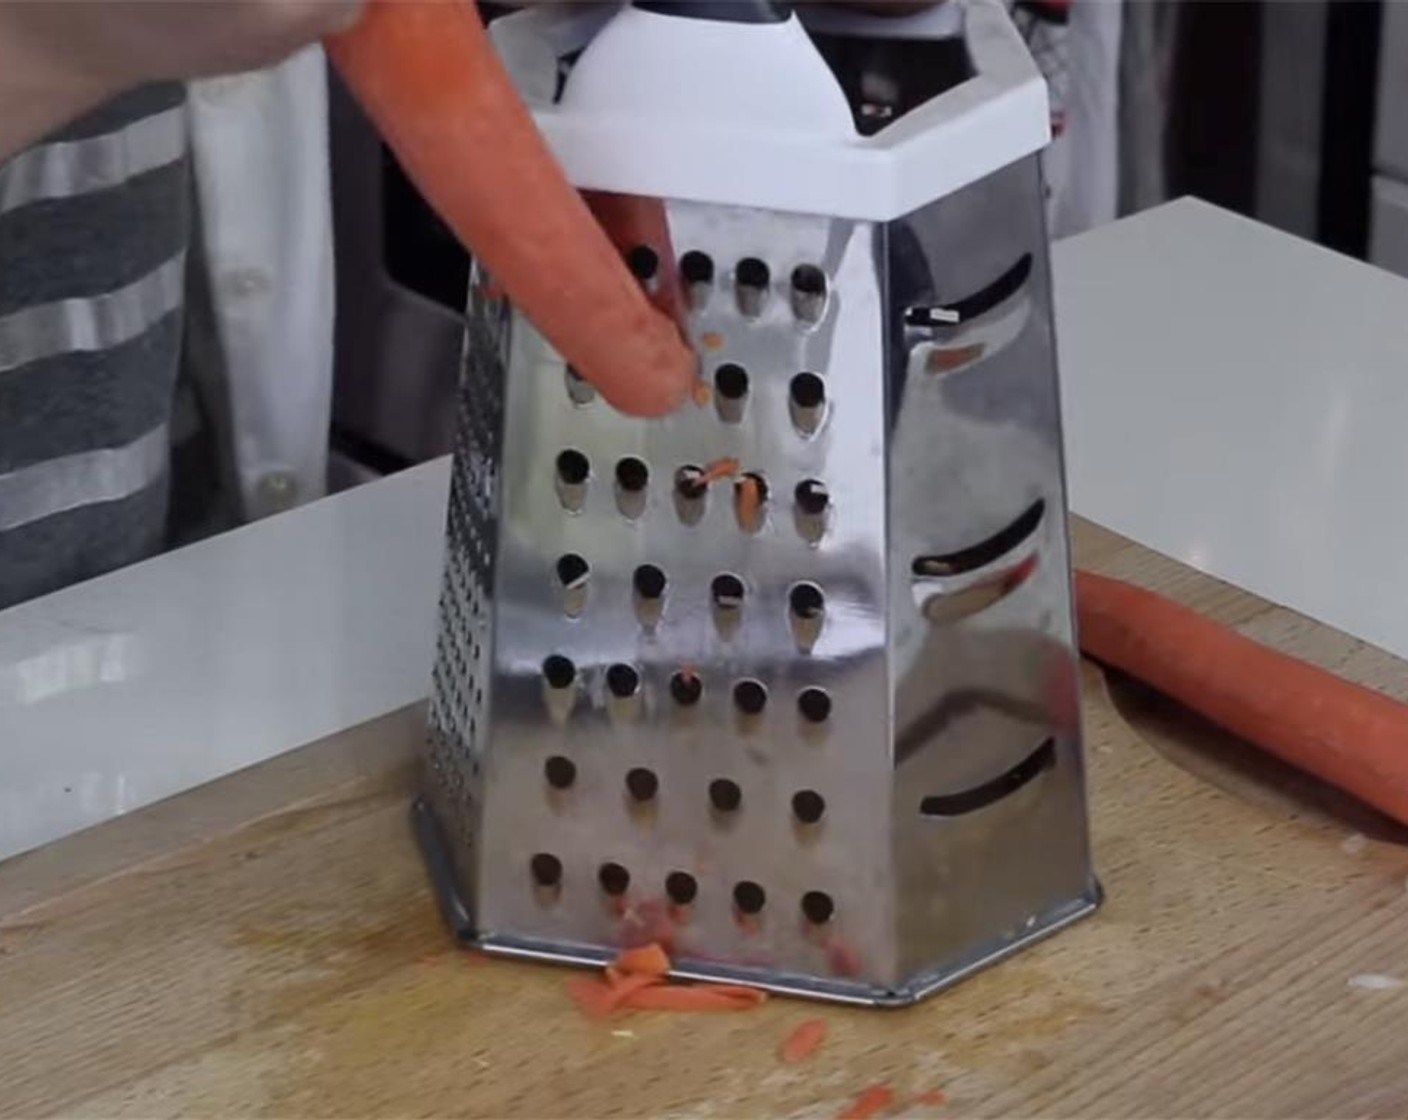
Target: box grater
786,679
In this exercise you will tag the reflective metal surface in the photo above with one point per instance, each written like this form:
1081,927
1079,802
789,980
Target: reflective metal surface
786,677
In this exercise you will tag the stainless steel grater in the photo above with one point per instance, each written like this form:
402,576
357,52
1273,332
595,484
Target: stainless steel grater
787,679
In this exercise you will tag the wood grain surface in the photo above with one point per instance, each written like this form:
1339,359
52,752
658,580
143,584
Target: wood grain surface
266,946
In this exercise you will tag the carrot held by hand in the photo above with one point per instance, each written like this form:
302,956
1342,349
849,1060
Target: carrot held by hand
1345,734
429,78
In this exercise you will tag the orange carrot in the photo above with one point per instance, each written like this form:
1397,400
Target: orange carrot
647,960
803,1042
719,468
1348,735
750,502
599,998
695,997
428,76
871,1102
933,1098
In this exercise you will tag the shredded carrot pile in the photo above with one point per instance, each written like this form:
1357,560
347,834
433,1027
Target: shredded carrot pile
638,980
871,1102
803,1042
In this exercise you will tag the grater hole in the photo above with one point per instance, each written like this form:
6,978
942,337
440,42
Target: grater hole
727,592
623,681
690,483
644,262
753,273
572,571
632,475
546,869
808,295
560,772
749,897
750,697
642,784
750,496
812,496
579,390
814,704
807,601
751,279
681,887
808,391
614,879
686,688
573,467
731,381
817,907
559,671
808,806
649,581
725,795
697,267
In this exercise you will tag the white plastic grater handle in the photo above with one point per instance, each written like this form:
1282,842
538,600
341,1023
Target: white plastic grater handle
737,114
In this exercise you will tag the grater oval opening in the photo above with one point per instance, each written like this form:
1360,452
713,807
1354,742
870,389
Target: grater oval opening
558,671
691,490
642,784
749,897
806,601
632,475
623,681
731,380
751,280
808,806
697,267
750,496
725,795
808,391
727,592
812,497
579,389
614,879
686,688
644,262
572,571
808,294
546,869
818,907
649,581
814,704
750,697
681,887
560,772
573,467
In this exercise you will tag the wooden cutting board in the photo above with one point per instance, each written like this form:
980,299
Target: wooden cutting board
266,945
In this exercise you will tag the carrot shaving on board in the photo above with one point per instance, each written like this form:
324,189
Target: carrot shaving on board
871,1102
803,1042
638,979
933,1098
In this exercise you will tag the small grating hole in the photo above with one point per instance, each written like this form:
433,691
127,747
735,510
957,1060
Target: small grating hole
573,467
749,897
546,869
623,681
681,887
817,907
750,697
731,381
643,262
811,496
649,581
725,795
632,475
614,879
808,390
697,267
686,688
814,704
559,671
572,570
727,592
689,482
809,280
806,601
753,273
560,772
808,806
642,784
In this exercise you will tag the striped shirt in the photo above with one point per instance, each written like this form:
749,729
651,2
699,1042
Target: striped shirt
94,227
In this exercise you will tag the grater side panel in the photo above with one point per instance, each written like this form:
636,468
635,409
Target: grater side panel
771,758
461,696
989,805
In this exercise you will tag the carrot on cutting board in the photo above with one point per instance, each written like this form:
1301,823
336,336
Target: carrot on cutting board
804,1041
429,78
1346,734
